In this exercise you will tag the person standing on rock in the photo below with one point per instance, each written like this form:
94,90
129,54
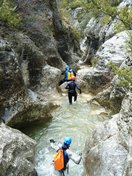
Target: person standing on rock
63,155
72,86
68,74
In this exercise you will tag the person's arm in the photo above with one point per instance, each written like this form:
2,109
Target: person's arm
78,88
67,86
54,145
74,157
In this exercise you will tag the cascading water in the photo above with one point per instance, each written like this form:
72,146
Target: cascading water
77,121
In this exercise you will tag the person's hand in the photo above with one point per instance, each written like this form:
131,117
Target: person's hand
80,154
52,141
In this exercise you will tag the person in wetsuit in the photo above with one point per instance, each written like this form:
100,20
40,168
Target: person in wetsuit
68,72
68,154
72,86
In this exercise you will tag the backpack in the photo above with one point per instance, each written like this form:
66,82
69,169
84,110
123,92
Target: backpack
59,160
70,74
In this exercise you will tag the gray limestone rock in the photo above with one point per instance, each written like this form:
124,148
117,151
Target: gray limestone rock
17,153
11,79
23,68
92,80
113,50
109,150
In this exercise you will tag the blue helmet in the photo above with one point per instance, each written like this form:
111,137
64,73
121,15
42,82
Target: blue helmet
67,67
67,140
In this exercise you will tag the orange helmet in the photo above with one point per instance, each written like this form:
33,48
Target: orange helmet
73,78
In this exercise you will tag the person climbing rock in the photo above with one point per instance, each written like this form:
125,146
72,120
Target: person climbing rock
68,72
72,86
63,155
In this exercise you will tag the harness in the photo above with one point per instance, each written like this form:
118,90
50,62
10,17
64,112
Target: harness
72,87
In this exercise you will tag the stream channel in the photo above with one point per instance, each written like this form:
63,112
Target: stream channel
77,121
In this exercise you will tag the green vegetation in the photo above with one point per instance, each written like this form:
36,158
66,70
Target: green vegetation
7,13
76,34
105,20
124,75
64,6
108,9
48,27
77,3
129,44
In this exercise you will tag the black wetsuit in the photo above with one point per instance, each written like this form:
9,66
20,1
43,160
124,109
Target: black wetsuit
71,86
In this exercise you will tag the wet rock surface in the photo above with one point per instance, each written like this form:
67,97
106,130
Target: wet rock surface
108,151
17,152
30,62
20,70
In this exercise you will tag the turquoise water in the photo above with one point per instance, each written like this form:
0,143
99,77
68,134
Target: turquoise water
77,121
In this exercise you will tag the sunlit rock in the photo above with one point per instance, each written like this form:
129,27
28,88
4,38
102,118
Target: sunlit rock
113,50
108,151
50,79
92,80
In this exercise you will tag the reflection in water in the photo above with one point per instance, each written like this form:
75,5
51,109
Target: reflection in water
77,121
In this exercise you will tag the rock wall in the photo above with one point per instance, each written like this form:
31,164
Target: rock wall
11,80
99,79
96,34
42,22
31,58
21,72
113,50
17,152
109,150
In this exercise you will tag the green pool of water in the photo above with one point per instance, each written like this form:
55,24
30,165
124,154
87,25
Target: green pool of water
77,121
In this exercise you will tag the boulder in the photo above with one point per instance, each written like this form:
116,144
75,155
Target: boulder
29,113
23,68
92,80
11,78
17,153
108,151
96,35
50,79
111,97
31,59
116,96
113,50
103,97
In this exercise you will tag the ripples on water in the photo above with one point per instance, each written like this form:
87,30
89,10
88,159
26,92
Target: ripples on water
77,121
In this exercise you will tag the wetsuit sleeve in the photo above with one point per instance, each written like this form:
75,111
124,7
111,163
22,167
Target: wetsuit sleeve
74,157
67,86
78,88
63,72
55,146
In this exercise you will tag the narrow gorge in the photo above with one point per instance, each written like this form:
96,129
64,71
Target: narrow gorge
37,39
